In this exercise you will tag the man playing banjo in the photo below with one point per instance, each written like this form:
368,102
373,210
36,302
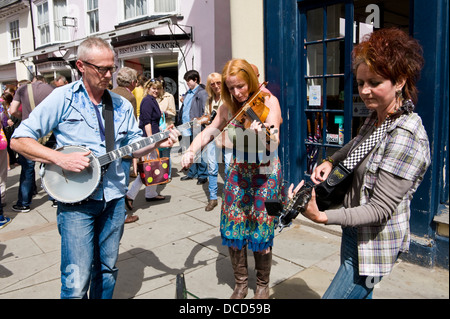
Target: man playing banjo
90,229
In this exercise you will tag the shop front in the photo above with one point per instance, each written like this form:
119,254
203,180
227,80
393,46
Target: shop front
310,71
154,59
333,110
52,69
7,76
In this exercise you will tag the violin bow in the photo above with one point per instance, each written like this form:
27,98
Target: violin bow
242,109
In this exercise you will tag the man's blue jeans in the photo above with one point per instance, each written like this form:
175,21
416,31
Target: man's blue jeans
165,152
1,207
347,283
27,181
90,236
198,170
213,170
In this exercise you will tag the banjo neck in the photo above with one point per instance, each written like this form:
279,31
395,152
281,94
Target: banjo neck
129,149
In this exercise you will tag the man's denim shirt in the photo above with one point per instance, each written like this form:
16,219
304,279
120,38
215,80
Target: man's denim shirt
70,114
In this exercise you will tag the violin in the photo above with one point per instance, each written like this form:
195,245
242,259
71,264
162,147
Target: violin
253,110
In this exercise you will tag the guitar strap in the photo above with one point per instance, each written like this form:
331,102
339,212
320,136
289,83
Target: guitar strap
362,150
108,115
332,191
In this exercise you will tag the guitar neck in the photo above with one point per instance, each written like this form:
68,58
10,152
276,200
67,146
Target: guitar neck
131,148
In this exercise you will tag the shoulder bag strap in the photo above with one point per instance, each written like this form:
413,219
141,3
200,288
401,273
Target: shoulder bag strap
31,96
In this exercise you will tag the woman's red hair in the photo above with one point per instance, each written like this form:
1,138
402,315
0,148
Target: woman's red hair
394,55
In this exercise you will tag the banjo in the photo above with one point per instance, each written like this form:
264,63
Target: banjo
72,187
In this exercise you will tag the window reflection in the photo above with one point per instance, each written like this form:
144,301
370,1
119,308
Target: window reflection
315,59
314,29
336,21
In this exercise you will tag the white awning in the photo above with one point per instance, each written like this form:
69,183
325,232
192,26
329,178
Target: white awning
57,48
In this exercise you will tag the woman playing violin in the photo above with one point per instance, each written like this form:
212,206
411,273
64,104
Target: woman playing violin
252,178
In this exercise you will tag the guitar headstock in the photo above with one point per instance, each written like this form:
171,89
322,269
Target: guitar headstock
303,197
295,206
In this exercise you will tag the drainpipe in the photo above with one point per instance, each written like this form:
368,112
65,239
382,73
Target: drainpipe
32,25
34,34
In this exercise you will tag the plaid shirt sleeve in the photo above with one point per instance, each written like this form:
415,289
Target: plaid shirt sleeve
406,152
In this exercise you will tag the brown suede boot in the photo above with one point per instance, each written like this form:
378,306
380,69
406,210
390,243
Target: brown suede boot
263,263
211,204
239,262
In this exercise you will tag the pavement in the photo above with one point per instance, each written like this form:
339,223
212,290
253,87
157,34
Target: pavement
177,236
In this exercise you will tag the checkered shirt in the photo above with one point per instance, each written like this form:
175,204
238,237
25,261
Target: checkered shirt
404,151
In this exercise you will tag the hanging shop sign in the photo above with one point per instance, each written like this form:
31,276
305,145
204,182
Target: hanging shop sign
148,47
52,66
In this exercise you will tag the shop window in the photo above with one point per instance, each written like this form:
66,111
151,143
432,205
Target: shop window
135,8
325,81
92,13
14,33
157,65
139,8
333,110
60,11
368,17
51,24
165,6
43,25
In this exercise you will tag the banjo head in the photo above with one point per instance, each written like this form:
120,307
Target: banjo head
71,187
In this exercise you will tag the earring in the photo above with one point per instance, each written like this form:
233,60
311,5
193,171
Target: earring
399,94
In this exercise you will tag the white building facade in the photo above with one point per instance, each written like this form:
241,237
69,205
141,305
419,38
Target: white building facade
155,37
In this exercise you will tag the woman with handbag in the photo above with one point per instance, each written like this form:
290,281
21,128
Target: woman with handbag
376,208
150,115
10,123
166,103
244,221
4,165
3,162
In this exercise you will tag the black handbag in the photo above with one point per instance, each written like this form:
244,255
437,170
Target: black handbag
330,193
